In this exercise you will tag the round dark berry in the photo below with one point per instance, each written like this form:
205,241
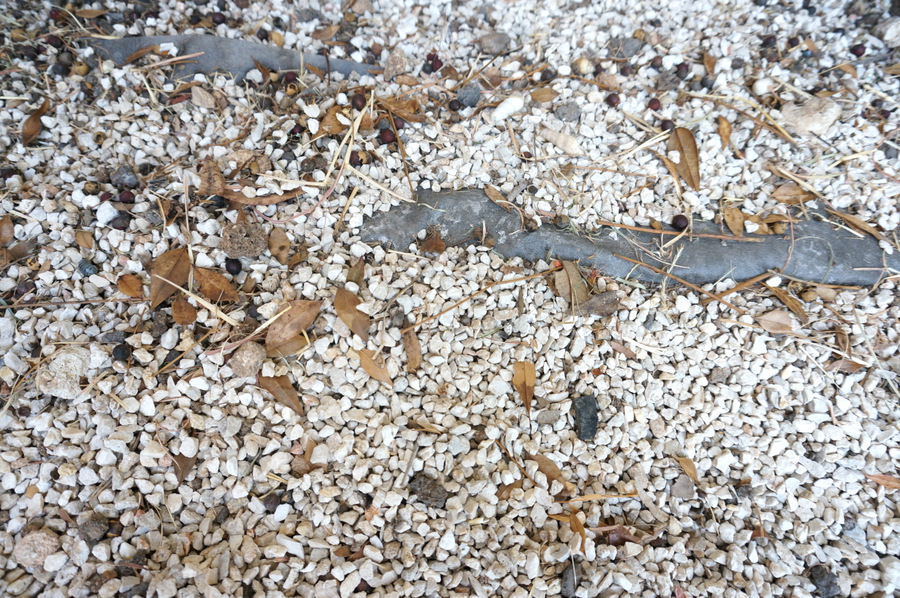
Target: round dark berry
105,196
858,50
55,14
296,129
548,74
885,113
8,172
613,100
233,266
654,104
121,352
437,64
307,165
194,19
454,105
680,222
289,77
432,56
527,155
126,197
682,70
355,160
793,42
427,68
626,70
768,41
262,34
656,62
54,40
358,101
217,18
399,123
387,136
667,125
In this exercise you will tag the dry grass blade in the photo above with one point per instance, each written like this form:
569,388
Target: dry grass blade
689,468
888,481
345,304
523,380
169,271
215,286
859,224
373,364
682,140
281,388
413,350
552,472
32,126
585,497
299,316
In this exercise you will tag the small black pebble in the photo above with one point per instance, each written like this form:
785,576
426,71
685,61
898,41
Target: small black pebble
682,70
58,70
120,222
307,165
263,35
569,581
253,312
768,41
427,68
585,410
271,502
613,100
626,70
387,136
657,62
548,74
217,18
760,2
858,50
358,101
121,352
667,125
680,222
233,266
194,19
454,105
654,104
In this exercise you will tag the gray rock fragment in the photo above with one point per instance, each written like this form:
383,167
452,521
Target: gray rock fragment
428,490
585,410
123,176
570,581
493,43
889,32
568,111
825,580
469,95
33,549
396,64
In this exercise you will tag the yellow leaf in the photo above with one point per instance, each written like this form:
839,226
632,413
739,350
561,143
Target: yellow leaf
724,131
888,481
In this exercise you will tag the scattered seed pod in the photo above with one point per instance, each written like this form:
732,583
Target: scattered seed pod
106,196
657,62
437,64
87,268
120,222
233,266
682,70
613,100
126,197
399,123
387,136
54,40
454,105
307,165
548,74
291,89
358,101
667,125
768,41
217,18
654,104
354,159
680,222
23,288
262,34
626,70
431,56
858,50
92,188
583,66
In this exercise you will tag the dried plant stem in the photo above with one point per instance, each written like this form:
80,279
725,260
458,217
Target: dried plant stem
674,233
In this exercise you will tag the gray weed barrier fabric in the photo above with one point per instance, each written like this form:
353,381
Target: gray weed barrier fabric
224,55
818,251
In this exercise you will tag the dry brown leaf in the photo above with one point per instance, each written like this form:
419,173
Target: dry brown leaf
130,286
776,321
543,94
505,490
523,380
826,293
619,535
32,126
433,243
883,479
215,286
357,272
603,304
211,180
173,265
183,466
373,364
792,194
293,346
682,140
849,69
689,468
279,245
284,392
139,53
183,312
791,302
326,32
547,467
7,230
408,80
709,63
724,131
673,170
859,224
413,350
405,109
578,528
90,13
345,304
330,124
620,348
734,219
84,239
570,284
847,366
202,98
299,316
842,339
299,256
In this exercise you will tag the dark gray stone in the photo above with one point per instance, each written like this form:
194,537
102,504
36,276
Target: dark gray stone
568,111
625,47
585,410
570,581
124,177
428,491
469,95
825,580
493,43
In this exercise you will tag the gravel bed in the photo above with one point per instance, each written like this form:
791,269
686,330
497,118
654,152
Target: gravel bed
146,450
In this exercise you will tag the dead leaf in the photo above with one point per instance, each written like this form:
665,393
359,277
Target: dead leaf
792,194
90,13
776,321
139,53
578,528
679,593
859,224
345,304
130,286
279,245
183,312
570,284
842,339
357,272
523,380
326,32
284,392
543,94
183,466
299,256
689,468
173,265
682,140
413,350
496,196
734,219
619,535
299,316
433,243
547,467
724,131
7,230
789,301
505,490
849,69
620,348
84,239
673,170
709,62
847,366
32,126
373,364
215,286
202,98
603,304
211,180
330,124
888,481
405,109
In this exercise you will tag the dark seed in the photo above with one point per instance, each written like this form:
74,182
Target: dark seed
54,40
132,16
387,136
656,62
105,196
768,41
548,74
7,172
667,125
55,14
885,113
253,312
120,222
432,56
654,104
289,77
399,123
793,42
217,18
307,165
23,288
263,35
233,266
87,268
613,100
358,101
121,352
585,410
527,155
297,129
194,19
626,70
271,502
454,105
737,63
858,50
126,197
682,70
355,159
680,222
58,70
427,68
437,64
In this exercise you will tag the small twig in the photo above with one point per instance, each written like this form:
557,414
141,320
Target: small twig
643,229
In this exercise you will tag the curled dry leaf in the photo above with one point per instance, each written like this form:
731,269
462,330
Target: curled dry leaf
734,219
724,131
413,350
345,304
688,167
709,62
373,364
7,230
183,312
791,302
84,239
215,286
689,468
619,535
326,32
547,467
859,224
776,321
888,481
620,348
32,126
570,284
357,272
299,316
847,366
523,380
173,265
280,245
130,286
792,194
842,339
211,180
183,466
578,527
281,388
433,243
505,490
